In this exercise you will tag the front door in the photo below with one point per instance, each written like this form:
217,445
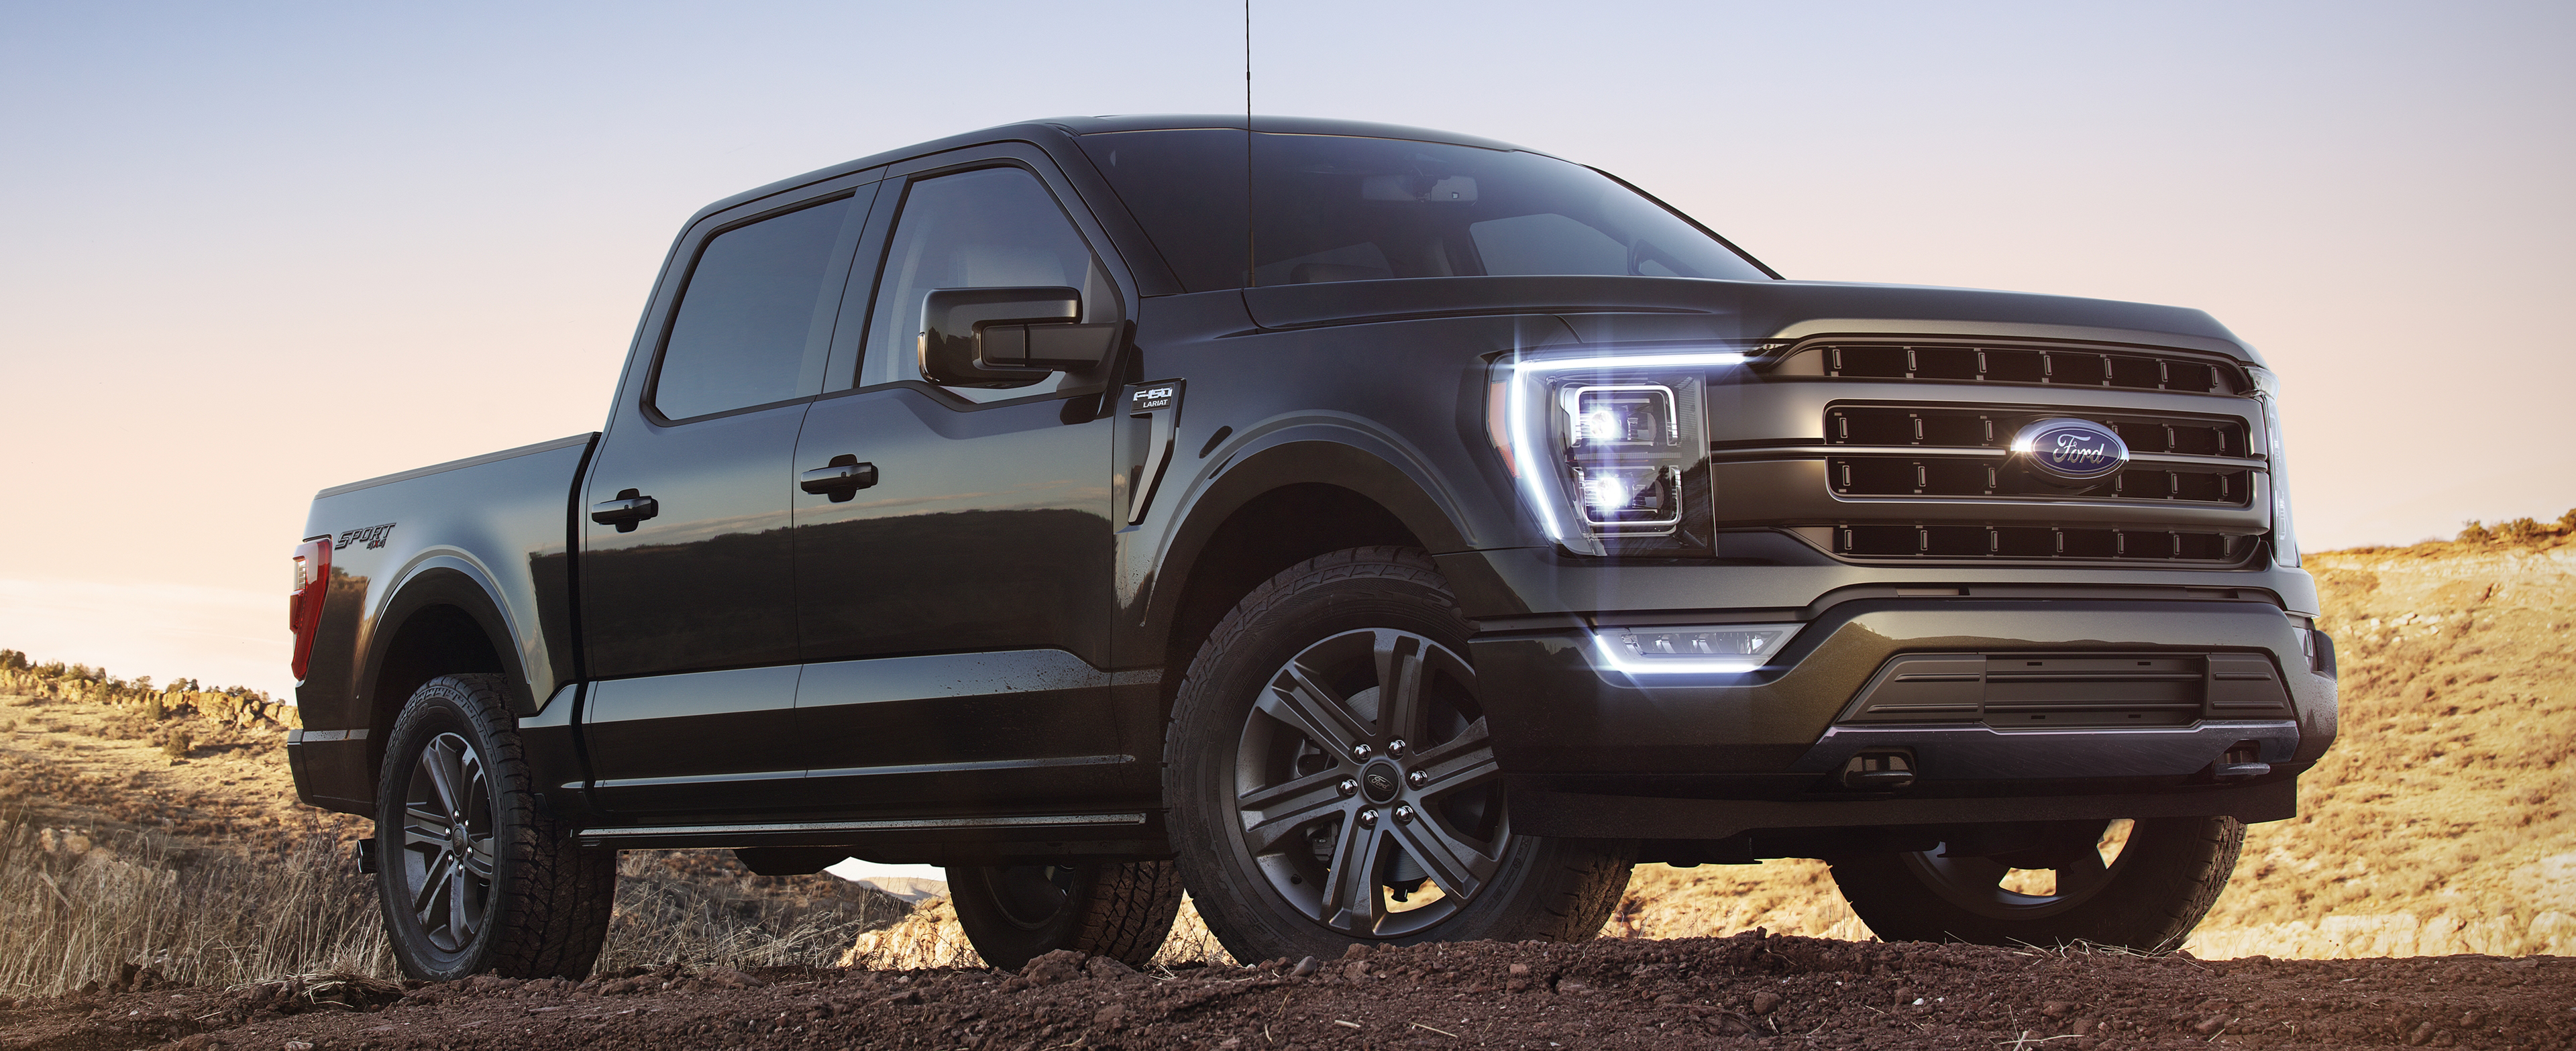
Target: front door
955,610
687,575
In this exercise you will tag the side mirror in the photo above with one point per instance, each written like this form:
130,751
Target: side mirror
1008,337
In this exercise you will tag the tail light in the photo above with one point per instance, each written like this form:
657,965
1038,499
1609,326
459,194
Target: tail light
304,603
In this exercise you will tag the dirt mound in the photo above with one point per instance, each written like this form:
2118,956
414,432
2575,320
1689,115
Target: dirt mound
1749,990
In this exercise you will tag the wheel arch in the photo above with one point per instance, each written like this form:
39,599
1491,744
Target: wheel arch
1275,507
442,620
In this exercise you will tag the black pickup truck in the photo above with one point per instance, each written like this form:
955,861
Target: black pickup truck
1387,534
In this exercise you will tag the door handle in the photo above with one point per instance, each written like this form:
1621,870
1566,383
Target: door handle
626,511
1161,403
841,479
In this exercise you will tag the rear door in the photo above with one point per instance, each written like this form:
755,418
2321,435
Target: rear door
954,613
687,575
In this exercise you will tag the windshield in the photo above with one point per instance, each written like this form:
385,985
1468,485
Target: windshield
1334,208
1343,208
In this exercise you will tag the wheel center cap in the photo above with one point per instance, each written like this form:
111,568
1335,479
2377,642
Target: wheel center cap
1381,781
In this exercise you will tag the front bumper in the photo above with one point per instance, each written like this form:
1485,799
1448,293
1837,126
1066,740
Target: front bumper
1563,727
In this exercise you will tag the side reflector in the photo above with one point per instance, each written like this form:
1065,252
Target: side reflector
304,604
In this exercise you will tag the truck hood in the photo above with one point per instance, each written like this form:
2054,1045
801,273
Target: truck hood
1657,309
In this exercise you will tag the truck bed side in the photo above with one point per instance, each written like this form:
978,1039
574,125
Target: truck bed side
460,566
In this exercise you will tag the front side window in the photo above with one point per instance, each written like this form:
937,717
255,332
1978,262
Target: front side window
987,228
756,315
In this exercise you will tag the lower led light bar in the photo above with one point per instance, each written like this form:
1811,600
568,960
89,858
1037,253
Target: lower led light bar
1718,649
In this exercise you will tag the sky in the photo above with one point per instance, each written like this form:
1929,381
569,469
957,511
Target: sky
260,249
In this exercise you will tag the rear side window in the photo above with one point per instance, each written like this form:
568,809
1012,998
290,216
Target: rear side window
756,316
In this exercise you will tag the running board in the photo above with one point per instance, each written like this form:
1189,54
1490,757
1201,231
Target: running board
821,831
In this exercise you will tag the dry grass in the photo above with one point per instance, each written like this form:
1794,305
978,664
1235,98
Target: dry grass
703,909
83,911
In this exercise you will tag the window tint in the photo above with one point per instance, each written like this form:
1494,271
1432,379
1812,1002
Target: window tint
1346,208
756,315
1186,188
989,228
1342,208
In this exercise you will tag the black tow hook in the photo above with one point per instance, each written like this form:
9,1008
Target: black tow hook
2243,759
1879,772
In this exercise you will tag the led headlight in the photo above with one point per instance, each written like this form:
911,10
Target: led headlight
1713,650
1600,443
2285,539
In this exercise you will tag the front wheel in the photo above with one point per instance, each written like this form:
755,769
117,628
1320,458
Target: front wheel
1332,780
2140,885
470,877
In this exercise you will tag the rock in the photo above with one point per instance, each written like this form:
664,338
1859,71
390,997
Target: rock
2421,1035
621,987
299,1045
1573,987
1766,1001
2210,1026
1107,967
1906,996
2057,1009
1520,970
1059,965
1305,966
1111,1017
1357,950
1356,969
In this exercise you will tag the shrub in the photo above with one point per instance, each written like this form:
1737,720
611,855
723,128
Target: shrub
177,743
2475,533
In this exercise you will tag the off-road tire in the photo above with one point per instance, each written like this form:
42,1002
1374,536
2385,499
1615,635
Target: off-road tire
1114,909
1545,889
2166,878
546,912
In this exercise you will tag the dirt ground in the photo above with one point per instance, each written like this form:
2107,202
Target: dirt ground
1750,990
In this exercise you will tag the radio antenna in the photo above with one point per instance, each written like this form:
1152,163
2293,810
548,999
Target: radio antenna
1248,255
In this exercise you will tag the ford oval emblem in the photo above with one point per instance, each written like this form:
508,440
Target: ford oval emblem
2070,451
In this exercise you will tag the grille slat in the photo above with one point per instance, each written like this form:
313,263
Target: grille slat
2044,543
1969,362
1935,427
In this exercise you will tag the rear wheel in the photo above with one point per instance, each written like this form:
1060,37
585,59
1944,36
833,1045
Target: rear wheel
1332,778
471,879
2141,885
1016,913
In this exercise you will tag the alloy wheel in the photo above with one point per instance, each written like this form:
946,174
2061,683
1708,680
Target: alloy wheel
1365,784
447,850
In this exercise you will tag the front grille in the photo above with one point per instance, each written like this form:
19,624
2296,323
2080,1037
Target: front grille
2059,690
2035,543
1997,362
1992,428
1967,427
1957,476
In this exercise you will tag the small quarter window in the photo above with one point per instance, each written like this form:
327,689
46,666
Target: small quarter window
756,316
